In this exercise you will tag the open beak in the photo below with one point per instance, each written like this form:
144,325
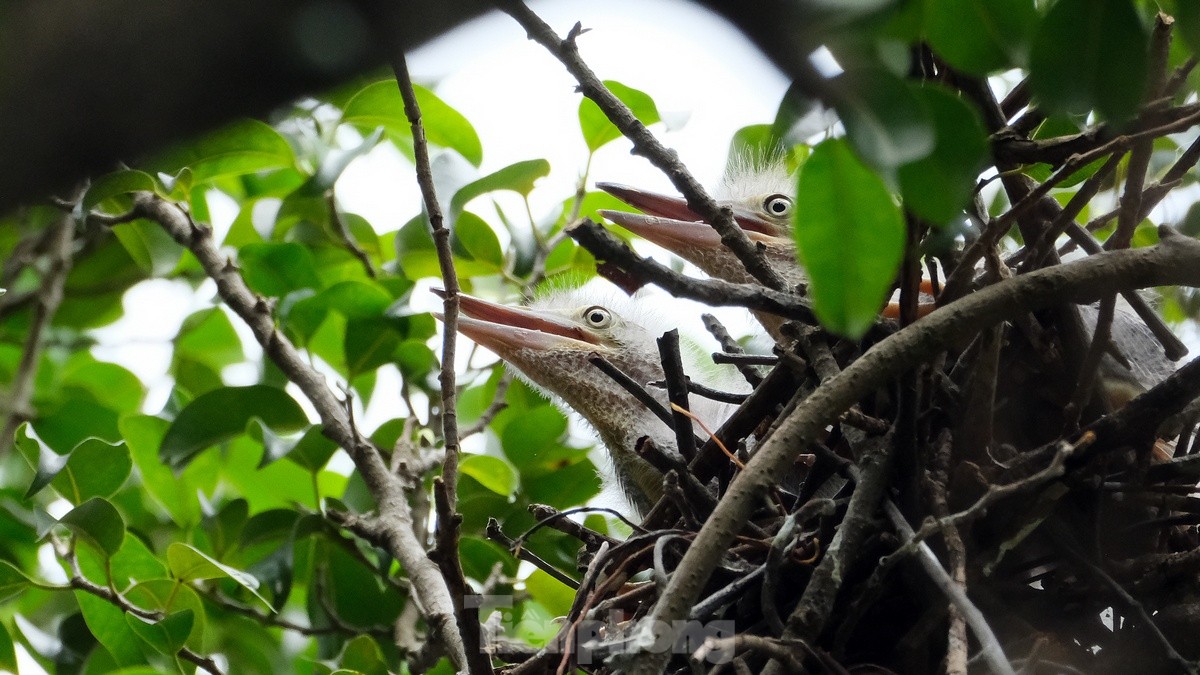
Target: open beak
502,329
676,209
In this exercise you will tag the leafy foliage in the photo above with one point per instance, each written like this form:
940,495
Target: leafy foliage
194,519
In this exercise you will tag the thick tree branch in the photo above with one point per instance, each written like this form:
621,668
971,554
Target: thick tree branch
1174,261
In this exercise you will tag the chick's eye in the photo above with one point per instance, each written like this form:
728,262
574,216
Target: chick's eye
778,205
597,317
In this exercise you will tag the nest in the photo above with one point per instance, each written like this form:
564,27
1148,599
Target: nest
975,508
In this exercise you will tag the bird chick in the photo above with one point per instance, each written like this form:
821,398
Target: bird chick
548,345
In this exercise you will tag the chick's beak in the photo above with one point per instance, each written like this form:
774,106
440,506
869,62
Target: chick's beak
501,328
676,208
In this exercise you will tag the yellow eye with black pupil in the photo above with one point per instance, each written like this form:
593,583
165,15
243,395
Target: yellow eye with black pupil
597,317
778,206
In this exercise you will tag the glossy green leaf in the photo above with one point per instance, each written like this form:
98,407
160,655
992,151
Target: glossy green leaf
107,623
48,462
12,580
115,184
596,128
154,251
171,596
107,383
369,343
379,104
94,468
362,655
529,436
981,36
167,635
276,269
518,177
885,120
143,435
492,472
550,593
208,337
1090,54
219,415
475,238
1187,23
190,564
246,146
415,359
8,654
97,522
311,450
937,187
849,236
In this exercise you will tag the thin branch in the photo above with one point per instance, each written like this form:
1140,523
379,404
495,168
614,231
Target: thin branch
47,300
644,142
396,519
343,233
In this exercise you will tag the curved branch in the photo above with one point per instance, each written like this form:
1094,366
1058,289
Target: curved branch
395,520
1174,261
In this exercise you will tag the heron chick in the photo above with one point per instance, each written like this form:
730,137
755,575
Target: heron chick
548,345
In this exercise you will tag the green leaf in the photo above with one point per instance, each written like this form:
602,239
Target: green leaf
1187,23
310,450
12,580
154,251
550,593
222,414
529,436
369,343
937,187
95,468
167,635
518,177
475,238
276,269
492,472
885,120
596,128
849,236
49,463
379,104
246,146
107,383
190,564
97,522
143,435
362,655
117,183
356,299
208,337
415,359
1090,54
8,654
981,36
170,596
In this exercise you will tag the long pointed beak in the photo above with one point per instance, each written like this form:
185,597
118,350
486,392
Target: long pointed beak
675,235
501,328
676,208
